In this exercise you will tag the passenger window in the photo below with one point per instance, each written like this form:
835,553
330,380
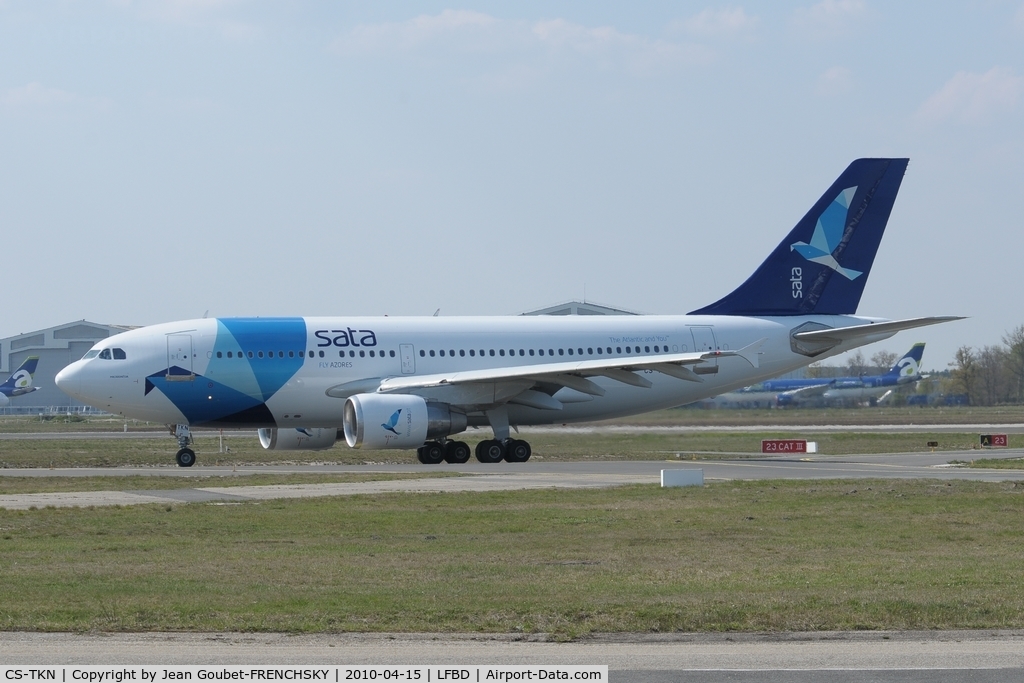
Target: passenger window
540,352
250,354
431,353
570,351
392,352
462,352
371,353
551,352
472,352
647,349
321,354
351,354
561,352
579,352
219,354
441,353
105,354
599,350
618,349
422,353
291,354
451,352
362,354
501,352
531,352
492,352
522,353
590,351
260,354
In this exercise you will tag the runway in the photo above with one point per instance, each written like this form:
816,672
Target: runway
500,477
832,656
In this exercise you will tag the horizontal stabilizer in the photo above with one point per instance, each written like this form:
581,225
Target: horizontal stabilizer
837,335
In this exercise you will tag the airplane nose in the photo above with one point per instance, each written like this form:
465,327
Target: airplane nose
69,381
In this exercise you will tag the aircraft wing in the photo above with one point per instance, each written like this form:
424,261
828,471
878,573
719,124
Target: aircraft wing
808,391
837,335
573,374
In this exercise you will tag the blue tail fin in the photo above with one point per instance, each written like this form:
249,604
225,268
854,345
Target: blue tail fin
823,263
910,365
21,378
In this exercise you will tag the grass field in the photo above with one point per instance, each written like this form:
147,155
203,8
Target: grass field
747,556
245,449
694,416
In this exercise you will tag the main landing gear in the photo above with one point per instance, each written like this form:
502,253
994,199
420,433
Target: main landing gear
435,452
489,451
185,457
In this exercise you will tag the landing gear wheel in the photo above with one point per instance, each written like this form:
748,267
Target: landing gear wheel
490,451
456,452
517,451
186,457
430,453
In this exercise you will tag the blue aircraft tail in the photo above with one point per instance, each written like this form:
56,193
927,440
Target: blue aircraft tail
822,265
910,365
20,379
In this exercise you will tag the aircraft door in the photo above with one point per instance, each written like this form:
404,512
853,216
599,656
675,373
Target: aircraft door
179,358
703,339
408,358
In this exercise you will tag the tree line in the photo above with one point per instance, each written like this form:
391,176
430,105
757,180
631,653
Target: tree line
990,375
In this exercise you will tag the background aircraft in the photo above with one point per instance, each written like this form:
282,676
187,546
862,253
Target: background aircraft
792,392
19,383
403,383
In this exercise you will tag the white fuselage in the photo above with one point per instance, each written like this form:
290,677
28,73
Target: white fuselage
301,376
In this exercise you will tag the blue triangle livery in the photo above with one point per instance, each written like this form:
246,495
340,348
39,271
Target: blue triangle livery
418,382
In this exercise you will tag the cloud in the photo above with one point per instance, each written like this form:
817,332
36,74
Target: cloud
835,81
465,26
730,22
35,96
466,32
204,14
974,98
829,18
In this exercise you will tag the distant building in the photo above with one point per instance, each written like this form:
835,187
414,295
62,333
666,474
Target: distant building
580,308
56,347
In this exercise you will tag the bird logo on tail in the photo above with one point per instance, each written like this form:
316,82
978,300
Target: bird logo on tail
828,233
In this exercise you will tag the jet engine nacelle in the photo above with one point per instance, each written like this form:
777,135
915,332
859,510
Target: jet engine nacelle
298,439
378,421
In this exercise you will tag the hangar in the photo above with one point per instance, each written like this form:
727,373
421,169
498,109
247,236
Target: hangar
56,347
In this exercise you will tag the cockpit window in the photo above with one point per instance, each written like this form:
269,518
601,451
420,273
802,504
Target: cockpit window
119,354
91,353
105,354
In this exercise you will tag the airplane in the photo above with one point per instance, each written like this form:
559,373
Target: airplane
790,392
418,382
20,382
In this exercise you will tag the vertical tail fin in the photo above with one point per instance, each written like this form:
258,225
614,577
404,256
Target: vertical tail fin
822,265
909,367
20,381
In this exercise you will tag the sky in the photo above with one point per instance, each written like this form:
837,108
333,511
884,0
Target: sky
161,160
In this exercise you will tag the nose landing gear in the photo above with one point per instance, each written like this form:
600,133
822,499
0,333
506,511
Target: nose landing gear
185,457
